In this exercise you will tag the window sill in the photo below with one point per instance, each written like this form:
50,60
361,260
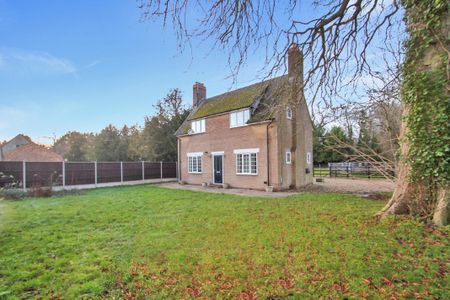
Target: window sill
195,173
240,126
242,174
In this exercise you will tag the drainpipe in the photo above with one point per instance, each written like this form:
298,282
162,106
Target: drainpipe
179,159
267,152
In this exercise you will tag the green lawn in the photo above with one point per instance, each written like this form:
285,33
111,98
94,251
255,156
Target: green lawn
145,241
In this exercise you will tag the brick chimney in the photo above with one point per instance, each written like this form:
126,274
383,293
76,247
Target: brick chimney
199,93
295,62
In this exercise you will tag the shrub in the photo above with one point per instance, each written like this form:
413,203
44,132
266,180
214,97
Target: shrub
40,192
12,194
8,181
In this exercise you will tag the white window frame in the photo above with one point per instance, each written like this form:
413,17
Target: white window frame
198,126
308,158
289,113
243,155
239,118
288,157
194,161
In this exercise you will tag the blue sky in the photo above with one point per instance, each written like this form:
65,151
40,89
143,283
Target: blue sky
80,65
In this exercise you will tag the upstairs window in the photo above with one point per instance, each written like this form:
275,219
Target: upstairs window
289,113
195,163
288,157
308,158
239,118
198,126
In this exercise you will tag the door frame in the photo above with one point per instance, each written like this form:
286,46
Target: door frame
213,154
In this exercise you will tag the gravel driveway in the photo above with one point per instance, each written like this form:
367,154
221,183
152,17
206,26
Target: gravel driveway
345,185
338,185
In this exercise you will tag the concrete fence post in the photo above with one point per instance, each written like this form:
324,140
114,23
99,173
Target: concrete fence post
161,169
24,175
96,172
143,171
121,172
64,174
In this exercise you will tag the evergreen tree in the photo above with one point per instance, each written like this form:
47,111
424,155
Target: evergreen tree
334,152
318,145
159,130
107,144
73,146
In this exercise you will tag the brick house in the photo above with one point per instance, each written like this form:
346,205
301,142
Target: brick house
22,148
32,153
16,142
257,137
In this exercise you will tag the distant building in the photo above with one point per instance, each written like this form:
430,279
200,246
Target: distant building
16,142
22,148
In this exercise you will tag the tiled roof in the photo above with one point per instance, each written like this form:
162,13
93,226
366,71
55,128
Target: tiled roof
33,153
249,96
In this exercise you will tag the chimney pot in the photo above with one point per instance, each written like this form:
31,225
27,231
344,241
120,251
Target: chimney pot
199,93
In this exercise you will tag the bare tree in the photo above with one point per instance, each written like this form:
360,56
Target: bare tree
366,154
340,42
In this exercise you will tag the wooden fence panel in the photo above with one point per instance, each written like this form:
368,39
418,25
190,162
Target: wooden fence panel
43,174
347,170
152,170
80,173
108,172
132,171
12,173
169,170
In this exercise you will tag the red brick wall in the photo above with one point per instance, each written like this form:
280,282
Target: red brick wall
220,137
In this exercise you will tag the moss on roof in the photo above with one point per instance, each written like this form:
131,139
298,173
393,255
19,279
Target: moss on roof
267,92
237,99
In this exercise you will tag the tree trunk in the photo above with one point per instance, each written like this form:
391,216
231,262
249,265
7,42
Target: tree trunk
415,193
440,216
404,190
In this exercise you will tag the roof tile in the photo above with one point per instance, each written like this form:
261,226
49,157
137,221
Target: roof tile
33,153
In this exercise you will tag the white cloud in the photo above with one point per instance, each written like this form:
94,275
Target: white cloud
33,62
46,62
92,64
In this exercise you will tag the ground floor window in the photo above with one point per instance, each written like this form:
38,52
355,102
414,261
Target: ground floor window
246,163
194,163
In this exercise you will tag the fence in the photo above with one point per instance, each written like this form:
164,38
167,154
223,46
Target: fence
347,169
23,174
